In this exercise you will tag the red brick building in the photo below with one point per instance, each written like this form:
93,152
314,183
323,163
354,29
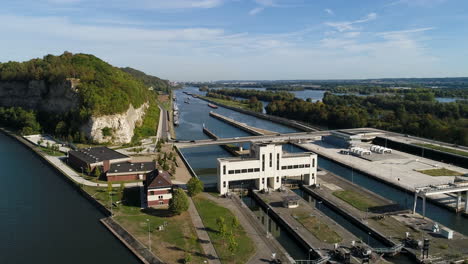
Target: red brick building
158,187
128,171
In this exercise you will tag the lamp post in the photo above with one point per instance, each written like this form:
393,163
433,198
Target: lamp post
310,251
268,222
149,235
368,238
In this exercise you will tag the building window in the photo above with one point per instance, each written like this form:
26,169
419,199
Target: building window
224,170
151,193
296,166
263,162
244,171
277,179
263,180
313,162
290,167
250,170
277,161
283,167
238,171
256,169
307,165
271,160
306,175
231,171
224,184
301,166
160,197
161,202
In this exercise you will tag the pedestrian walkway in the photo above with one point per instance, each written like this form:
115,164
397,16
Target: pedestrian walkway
58,163
204,238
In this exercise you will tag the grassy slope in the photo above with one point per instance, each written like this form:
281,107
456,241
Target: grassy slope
444,149
441,172
355,199
229,102
209,212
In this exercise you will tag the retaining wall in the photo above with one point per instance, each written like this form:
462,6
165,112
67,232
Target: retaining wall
279,120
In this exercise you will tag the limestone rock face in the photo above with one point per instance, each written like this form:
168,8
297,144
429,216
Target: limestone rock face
121,125
38,95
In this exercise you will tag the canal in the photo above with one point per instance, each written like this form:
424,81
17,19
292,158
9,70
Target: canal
44,219
203,160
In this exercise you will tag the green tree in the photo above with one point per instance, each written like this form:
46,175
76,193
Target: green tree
233,245
165,166
235,223
97,172
179,202
188,258
221,223
194,186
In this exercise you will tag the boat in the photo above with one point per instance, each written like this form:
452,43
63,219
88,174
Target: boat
213,106
194,96
187,101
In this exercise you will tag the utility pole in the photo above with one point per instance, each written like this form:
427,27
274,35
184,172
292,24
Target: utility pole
149,234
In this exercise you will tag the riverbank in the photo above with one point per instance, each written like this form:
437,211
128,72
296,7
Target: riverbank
141,253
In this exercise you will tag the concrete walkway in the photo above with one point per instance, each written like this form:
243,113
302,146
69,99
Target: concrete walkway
77,178
203,237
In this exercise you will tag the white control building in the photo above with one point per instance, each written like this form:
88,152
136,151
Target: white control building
265,168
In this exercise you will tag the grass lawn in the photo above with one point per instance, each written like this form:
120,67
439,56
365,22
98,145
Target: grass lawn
355,199
209,211
444,149
228,102
441,172
52,152
319,229
171,244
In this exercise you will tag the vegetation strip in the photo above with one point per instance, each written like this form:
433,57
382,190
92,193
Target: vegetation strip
228,237
355,199
443,149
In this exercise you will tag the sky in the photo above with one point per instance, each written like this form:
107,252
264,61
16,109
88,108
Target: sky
208,40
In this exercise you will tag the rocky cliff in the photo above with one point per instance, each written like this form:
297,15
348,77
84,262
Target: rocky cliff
38,95
120,126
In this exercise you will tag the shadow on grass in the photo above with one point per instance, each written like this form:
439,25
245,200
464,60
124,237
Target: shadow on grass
158,212
131,197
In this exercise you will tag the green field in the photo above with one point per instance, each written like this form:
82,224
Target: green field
444,149
441,172
355,199
51,152
319,229
172,244
209,211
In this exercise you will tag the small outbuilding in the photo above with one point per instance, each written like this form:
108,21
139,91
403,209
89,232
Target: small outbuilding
291,201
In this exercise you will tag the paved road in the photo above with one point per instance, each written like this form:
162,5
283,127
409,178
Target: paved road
275,138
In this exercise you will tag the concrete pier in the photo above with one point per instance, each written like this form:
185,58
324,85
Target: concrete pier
288,217
243,126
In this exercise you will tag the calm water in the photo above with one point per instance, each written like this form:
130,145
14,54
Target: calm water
44,220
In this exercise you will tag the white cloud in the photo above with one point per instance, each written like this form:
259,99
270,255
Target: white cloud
204,53
329,11
256,11
349,25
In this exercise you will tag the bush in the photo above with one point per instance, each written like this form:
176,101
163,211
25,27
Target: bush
179,202
194,186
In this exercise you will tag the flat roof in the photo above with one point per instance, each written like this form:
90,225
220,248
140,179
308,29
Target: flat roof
97,154
122,167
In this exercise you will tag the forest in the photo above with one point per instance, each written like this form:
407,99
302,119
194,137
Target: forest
149,80
412,113
249,93
252,103
103,90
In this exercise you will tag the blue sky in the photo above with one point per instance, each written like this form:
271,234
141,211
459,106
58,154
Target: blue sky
186,40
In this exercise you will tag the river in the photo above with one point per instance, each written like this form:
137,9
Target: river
44,219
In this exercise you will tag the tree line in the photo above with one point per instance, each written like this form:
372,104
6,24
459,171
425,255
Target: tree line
268,96
414,114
